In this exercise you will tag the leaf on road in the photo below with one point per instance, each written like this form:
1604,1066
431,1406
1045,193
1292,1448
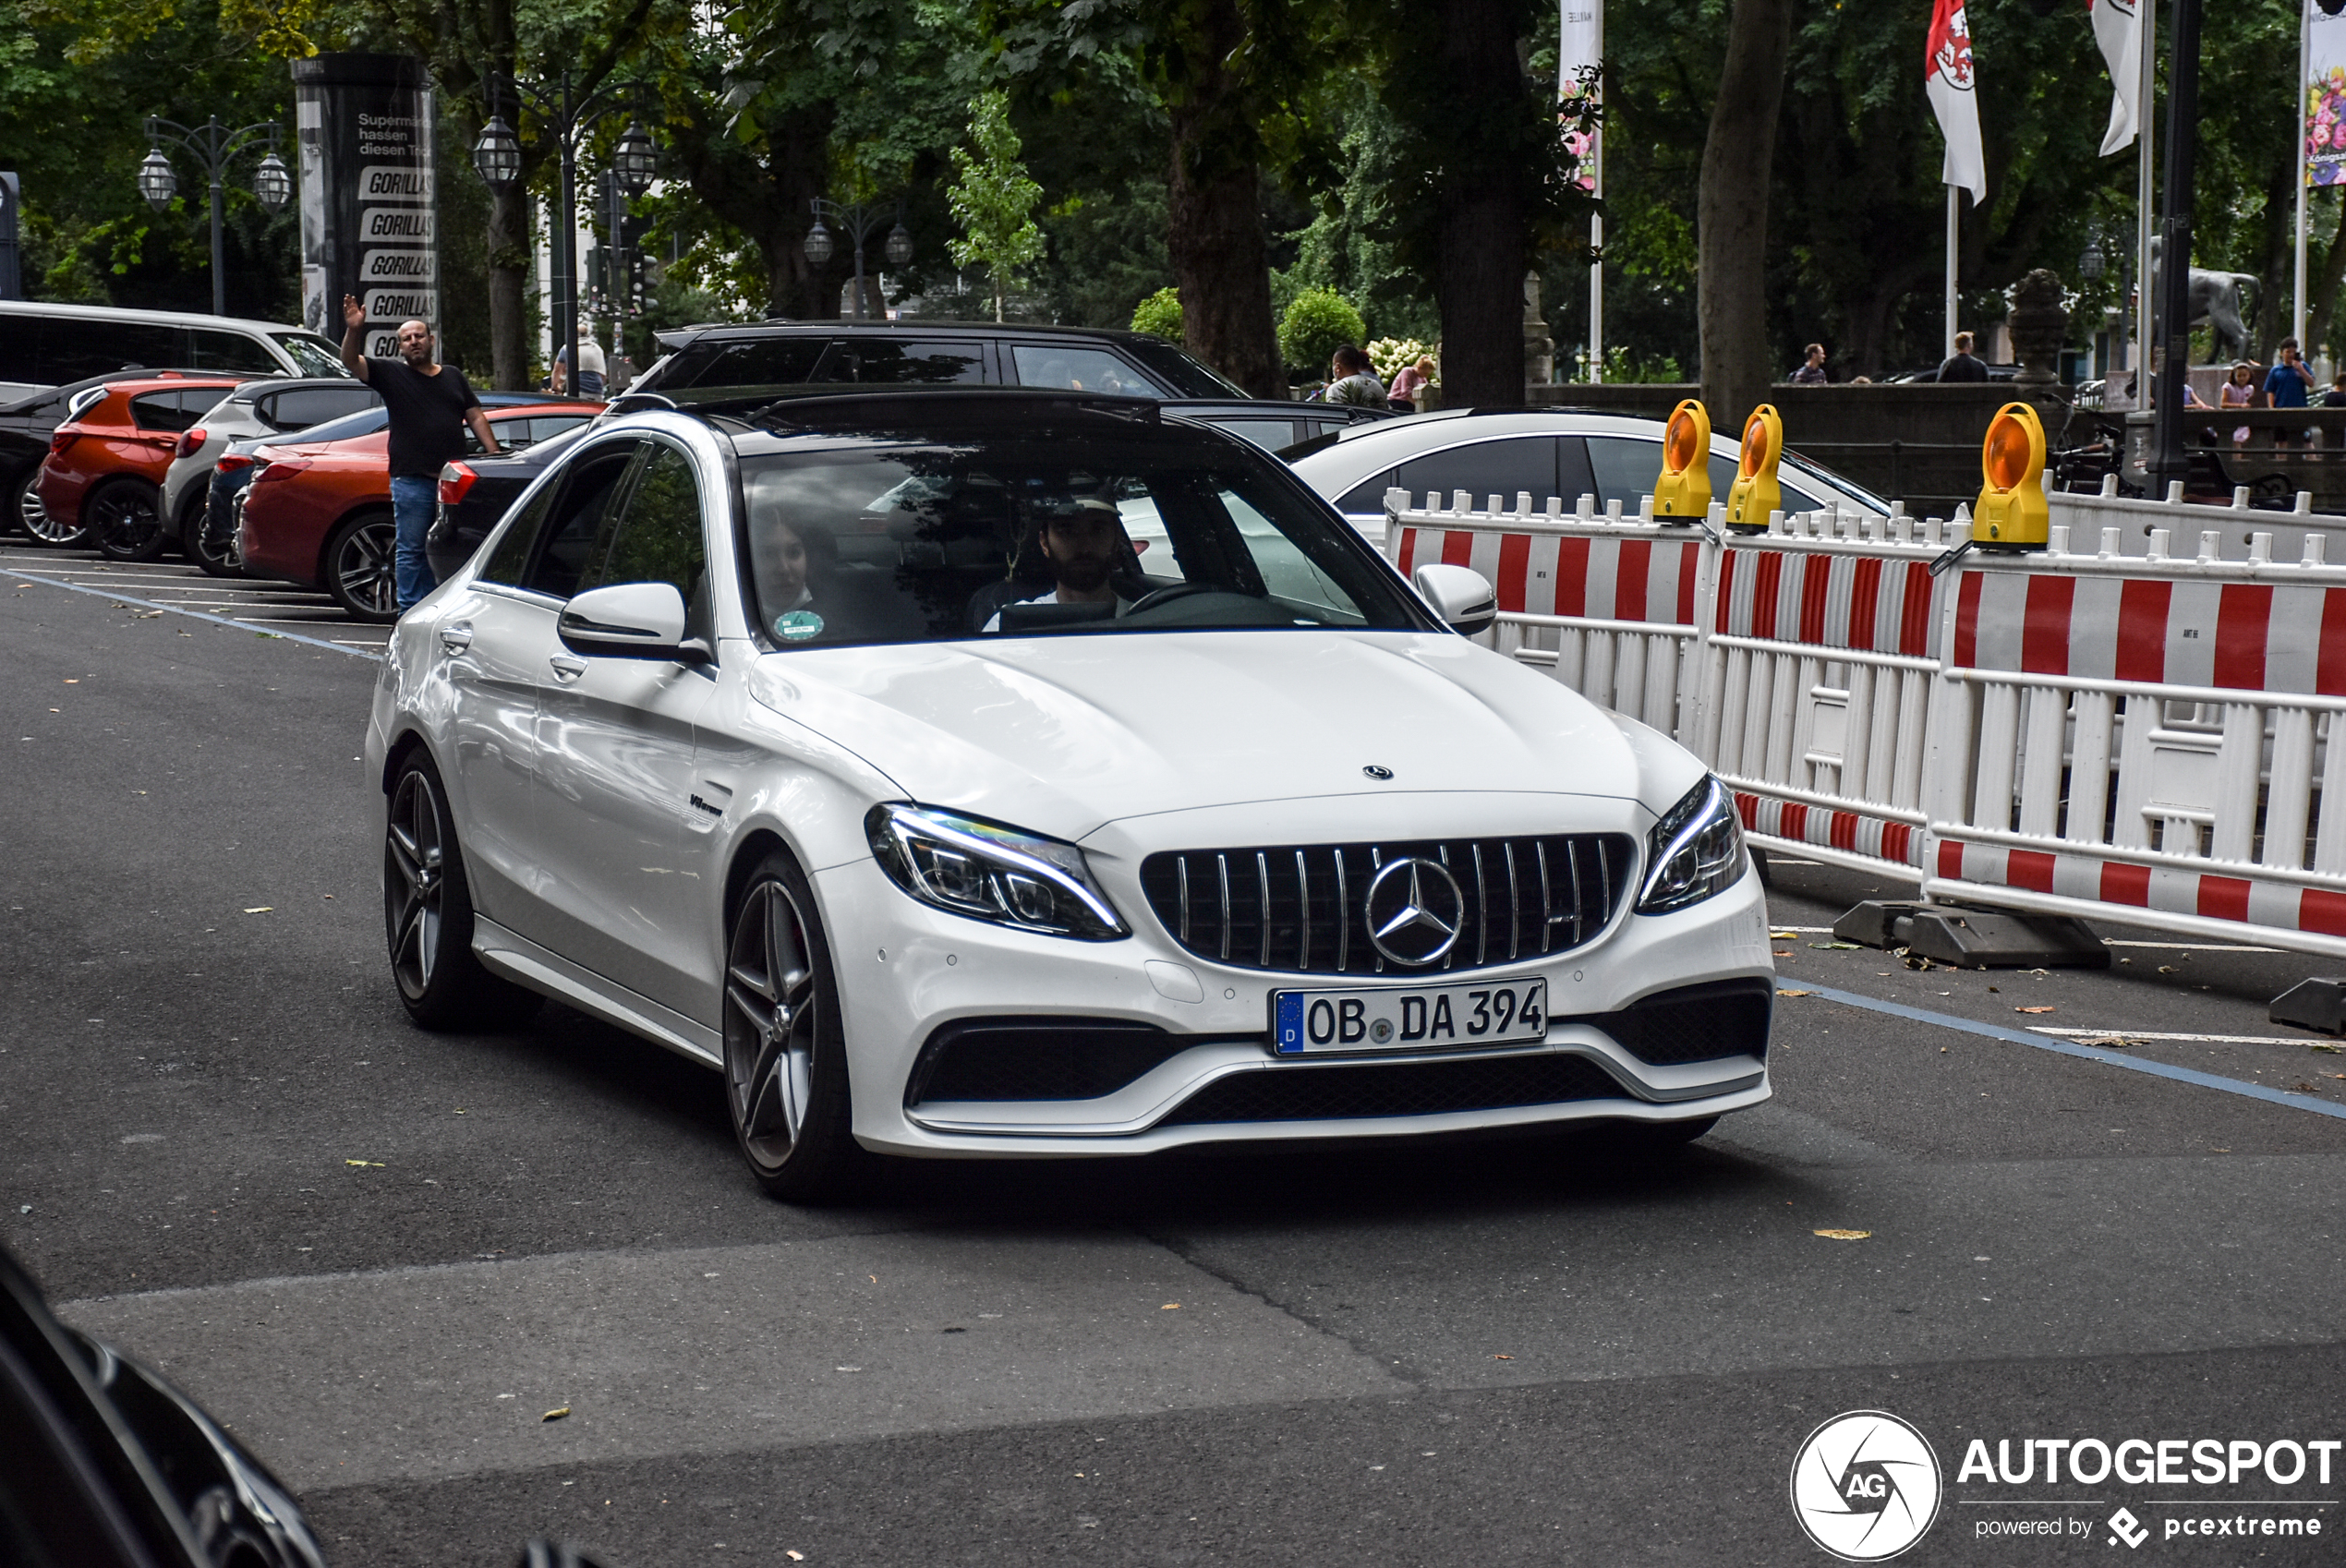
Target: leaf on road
2324,1046
1170,1307
795,1556
144,614
2044,1010
1782,935
1844,1235
1502,1358
1836,947
1780,991
377,1163
264,909
1780,952
556,1414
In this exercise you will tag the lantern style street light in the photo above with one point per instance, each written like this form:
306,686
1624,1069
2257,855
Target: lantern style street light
860,221
2090,261
212,145
572,117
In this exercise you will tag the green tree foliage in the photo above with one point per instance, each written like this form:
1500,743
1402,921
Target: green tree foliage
1315,326
992,198
1160,314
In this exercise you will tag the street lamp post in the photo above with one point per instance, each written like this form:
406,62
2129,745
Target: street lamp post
497,156
860,221
212,145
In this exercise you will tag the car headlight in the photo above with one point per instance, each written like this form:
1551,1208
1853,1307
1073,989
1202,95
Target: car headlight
1695,850
987,872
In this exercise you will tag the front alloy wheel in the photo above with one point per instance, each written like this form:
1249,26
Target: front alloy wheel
427,915
785,1065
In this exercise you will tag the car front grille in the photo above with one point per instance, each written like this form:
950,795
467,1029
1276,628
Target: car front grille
1037,1058
1302,910
1395,1089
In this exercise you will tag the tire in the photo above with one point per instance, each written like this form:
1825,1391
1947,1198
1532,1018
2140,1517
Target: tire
26,512
219,561
361,569
124,520
428,914
786,1082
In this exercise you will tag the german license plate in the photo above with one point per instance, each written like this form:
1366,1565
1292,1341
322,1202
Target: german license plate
1490,1012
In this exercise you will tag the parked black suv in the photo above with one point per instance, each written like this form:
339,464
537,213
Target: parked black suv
782,354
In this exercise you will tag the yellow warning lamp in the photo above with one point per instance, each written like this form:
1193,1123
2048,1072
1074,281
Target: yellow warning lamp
1684,488
1755,495
2012,513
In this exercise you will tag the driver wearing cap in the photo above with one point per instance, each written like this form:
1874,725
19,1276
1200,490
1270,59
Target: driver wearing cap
1084,540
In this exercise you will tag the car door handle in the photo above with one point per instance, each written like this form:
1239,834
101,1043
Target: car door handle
456,639
567,668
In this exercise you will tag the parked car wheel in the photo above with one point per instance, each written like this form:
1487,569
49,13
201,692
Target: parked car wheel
124,520
428,914
785,1051
361,573
26,510
214,553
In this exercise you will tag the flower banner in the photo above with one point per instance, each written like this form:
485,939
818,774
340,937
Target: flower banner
2325,127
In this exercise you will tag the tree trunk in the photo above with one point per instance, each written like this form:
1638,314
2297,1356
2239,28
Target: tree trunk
1213,232
509,268
1732,212
1483,244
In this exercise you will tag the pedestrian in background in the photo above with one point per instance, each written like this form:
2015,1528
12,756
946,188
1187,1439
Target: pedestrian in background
2239,390
2287,385
1962,364
429,404
1406,386
1352,380
1812,369
591,368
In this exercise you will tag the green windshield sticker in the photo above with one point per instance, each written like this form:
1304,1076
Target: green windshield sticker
797,625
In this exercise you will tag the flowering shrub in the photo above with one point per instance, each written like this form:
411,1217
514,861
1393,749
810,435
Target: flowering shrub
1389,354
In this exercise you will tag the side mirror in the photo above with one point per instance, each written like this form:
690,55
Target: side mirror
1460,595
629,621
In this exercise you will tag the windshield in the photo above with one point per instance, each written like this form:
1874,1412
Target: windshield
315,356
939,543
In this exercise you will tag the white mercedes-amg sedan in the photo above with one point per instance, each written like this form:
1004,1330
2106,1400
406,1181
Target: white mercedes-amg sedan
850,747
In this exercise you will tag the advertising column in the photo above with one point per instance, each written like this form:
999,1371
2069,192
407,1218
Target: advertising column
369,224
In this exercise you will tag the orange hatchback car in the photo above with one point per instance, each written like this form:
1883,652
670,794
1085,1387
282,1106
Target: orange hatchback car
103,473
318,511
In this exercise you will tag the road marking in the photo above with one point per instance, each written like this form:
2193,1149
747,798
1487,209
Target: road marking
192,614
2089,1052
2194,1038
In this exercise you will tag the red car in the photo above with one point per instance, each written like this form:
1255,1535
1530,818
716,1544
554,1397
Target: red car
318,511
103,473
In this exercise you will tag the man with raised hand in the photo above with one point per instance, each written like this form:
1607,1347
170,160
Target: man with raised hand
430,405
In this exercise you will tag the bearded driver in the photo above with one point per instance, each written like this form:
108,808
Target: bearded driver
430,405
1085,543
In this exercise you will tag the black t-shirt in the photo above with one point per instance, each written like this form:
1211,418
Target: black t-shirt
427,414
1964,367
2334,398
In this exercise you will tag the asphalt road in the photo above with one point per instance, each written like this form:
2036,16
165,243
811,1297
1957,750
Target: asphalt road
383,1256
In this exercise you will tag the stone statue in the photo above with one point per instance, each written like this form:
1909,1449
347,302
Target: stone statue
2215,299
2037,322
1538,349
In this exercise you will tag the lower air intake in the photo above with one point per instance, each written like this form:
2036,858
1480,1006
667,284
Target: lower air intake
1395,1089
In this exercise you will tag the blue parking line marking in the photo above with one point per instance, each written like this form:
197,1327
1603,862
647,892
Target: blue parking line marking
2090,1052
192,614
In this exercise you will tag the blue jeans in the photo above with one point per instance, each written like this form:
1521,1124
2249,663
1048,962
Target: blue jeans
413,496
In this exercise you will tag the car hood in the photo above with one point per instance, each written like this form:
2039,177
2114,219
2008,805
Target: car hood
1063,734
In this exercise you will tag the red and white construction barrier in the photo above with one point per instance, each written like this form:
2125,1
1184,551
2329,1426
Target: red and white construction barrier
2119,734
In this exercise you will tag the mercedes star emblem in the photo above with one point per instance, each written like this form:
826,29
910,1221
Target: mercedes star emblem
1414,909
1377,770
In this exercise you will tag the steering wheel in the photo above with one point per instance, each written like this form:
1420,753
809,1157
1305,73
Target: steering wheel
1167,594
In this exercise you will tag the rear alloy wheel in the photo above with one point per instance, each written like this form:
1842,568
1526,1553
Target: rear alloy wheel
124,520
26,512
785,1054
427,915
362,571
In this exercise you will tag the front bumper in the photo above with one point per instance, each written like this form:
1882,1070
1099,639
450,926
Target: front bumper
907,971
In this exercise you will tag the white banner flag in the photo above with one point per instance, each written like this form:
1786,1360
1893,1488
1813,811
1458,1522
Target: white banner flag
1579,45
1948,83
2117,28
